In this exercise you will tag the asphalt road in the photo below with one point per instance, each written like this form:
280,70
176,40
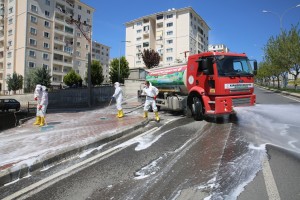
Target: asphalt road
254,157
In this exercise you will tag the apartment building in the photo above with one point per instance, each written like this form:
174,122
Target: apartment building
218,48
174,34
101,53
40,33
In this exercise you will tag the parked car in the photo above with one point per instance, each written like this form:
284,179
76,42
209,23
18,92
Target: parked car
7,104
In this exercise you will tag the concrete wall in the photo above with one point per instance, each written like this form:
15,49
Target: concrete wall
132,86
70,98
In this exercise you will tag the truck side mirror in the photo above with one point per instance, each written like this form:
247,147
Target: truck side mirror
255,67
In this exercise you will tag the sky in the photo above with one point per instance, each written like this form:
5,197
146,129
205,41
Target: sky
239,24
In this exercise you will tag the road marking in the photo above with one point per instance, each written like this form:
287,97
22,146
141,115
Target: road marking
40,185
289,97
270,183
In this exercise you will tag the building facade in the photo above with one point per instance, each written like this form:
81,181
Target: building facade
174,34
101,53
40,33
218,48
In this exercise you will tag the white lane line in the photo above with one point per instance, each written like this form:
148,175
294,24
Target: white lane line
270,183
68,171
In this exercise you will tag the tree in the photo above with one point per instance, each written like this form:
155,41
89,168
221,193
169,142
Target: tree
151,58
283,52
42,76
114,68
96,73
72,78
15,82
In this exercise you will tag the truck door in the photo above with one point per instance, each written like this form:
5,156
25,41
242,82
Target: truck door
205,73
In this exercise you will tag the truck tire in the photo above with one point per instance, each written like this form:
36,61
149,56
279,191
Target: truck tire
197,109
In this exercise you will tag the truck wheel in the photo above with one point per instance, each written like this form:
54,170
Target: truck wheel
197,109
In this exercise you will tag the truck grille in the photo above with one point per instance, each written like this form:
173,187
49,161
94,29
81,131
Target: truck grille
241,101
239,90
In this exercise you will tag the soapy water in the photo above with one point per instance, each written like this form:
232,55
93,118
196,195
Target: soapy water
277,125
255,128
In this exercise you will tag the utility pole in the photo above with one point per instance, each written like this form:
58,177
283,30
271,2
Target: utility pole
87,33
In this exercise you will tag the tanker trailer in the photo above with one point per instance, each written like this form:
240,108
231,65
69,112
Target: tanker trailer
171,82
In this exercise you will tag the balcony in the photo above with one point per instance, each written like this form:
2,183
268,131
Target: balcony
59,27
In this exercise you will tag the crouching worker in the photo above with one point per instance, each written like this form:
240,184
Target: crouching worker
43,105
150,92
118,95
37,97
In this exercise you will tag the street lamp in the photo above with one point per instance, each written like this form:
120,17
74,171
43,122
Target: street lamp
280,16
120,60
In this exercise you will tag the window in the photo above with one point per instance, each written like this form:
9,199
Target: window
139,23
31,64
10,10
47,13
77,53
46,45
45,66
32,53
146,28
33,19
46,35
47,24
169,32
32,42
138,39
8,65
47,2
45,56
9,54
78,34
146,44
170,24
88,11
34,8
33,31
138,31
169,16
10,21
78,44
169,41
9,43
79,7
169,59
10,32
169,50
158,17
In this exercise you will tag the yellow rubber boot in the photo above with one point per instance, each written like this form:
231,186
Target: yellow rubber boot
145,114
37,121
121,114
118,115
42,121
156,116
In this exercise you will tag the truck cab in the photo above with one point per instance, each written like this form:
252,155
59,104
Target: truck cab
218,82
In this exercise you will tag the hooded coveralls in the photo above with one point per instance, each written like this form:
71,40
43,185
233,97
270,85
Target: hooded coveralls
43,105
37,95
118,95
151,92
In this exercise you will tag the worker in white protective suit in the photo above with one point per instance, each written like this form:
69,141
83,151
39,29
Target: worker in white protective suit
151,93
37,97
118,95
43,105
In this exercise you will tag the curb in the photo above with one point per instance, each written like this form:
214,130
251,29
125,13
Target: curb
10,175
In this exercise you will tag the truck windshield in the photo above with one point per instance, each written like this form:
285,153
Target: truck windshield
233,66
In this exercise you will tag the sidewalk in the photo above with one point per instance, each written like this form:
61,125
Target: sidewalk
27,148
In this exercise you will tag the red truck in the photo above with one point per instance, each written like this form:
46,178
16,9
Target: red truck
211,83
